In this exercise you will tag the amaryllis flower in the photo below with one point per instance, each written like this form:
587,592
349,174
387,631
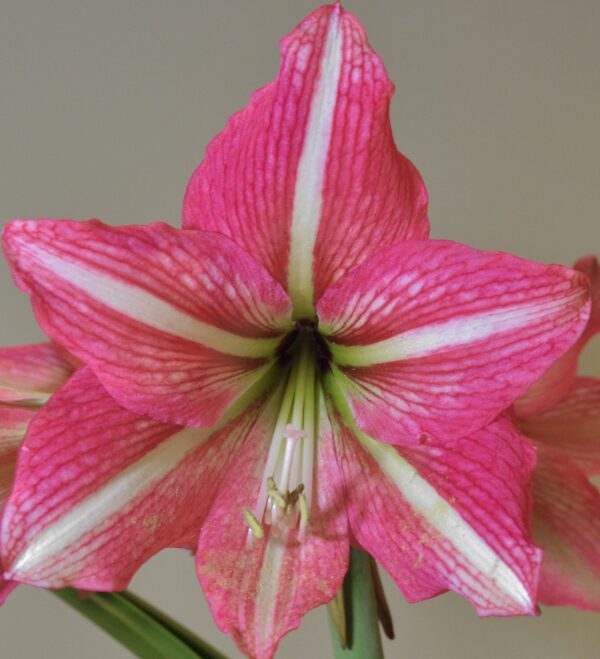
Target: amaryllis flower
28,375
566,431
297,369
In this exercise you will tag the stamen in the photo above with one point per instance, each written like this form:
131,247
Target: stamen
308,443
287,399
304,510
253,523
276,496
292,499
292,435
284,503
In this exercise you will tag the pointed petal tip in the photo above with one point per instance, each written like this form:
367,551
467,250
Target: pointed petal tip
14,228
260,592
582,281
529,608
312,164
8,233
494,562
521,324
587,264
16,237
6,589
135,488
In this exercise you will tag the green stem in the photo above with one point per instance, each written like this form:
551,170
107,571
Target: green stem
140,627
362,625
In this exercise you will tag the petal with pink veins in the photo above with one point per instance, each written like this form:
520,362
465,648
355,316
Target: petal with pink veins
13,426
573,426
307,178
557,381
433,337
590,267
259,588
567,527
98,490
552,387
30,373
448,515
175,324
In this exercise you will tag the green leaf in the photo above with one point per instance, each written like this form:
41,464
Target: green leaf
140,627
202,648
362,636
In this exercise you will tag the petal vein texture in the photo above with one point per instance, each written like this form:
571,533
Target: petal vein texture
99,489
307,178
176,324
433,337
448,515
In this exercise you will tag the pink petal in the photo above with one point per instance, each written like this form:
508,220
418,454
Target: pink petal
552,387
436,337
557,381
573,426
259,589
448,515
99,490
590,267
307,178
32,372
176,324
13,426
567,527
6,588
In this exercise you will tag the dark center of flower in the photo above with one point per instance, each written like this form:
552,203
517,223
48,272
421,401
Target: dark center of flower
305,332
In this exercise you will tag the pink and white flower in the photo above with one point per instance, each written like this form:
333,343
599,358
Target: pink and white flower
566,432
297,369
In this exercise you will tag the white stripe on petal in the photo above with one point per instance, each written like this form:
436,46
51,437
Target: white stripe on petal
429,339
311,172
269,586
440,515
108,500
140,305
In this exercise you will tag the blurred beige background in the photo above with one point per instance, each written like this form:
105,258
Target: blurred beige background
105,109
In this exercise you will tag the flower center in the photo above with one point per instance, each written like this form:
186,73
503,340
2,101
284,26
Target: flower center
305,331
284,502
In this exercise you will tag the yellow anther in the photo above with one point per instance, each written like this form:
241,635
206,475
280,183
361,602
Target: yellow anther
304,511
276,496
253,523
